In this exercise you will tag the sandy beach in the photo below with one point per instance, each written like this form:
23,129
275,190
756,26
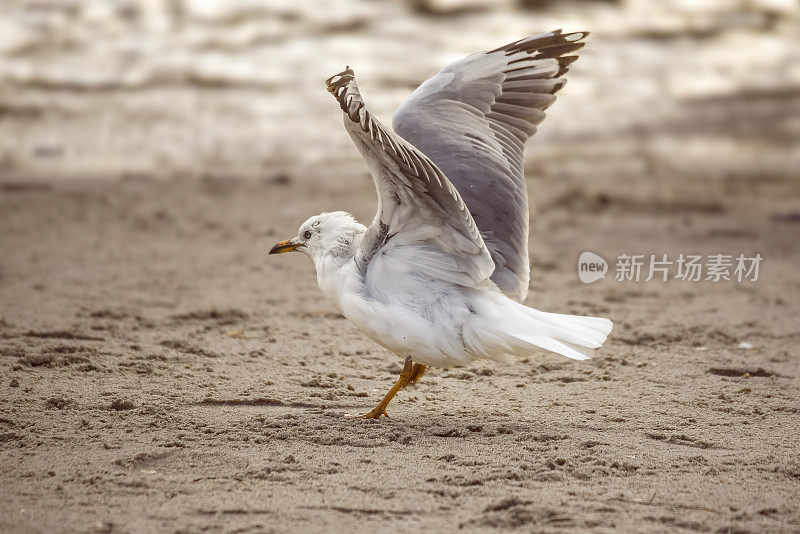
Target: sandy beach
161,373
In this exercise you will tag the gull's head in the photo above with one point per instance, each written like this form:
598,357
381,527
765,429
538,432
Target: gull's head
336,231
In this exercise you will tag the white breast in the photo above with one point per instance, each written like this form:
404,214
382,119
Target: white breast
410,317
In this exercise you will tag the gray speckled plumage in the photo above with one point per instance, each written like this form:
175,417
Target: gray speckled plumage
422,220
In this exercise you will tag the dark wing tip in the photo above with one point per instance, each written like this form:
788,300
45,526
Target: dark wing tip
337,81
551,45
561,42
341,86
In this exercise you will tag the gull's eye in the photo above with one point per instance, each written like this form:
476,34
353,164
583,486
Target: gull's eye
307,235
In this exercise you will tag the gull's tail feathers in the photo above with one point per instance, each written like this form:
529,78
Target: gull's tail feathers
515,329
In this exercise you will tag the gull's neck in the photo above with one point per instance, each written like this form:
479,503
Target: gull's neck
338,248
334,262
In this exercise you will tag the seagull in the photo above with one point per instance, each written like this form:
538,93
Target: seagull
439,276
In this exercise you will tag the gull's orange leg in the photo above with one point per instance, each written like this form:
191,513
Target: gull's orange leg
403,381
417,372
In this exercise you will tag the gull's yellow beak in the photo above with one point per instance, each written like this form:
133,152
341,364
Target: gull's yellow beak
285,246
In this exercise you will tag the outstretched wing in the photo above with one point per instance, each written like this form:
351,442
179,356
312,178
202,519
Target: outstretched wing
472,120
422,226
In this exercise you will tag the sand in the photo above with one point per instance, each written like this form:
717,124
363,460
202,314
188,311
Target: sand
160,373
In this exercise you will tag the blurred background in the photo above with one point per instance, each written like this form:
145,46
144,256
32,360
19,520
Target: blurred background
234,88
161,372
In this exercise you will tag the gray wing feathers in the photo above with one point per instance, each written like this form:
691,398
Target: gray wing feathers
472,120
422,223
